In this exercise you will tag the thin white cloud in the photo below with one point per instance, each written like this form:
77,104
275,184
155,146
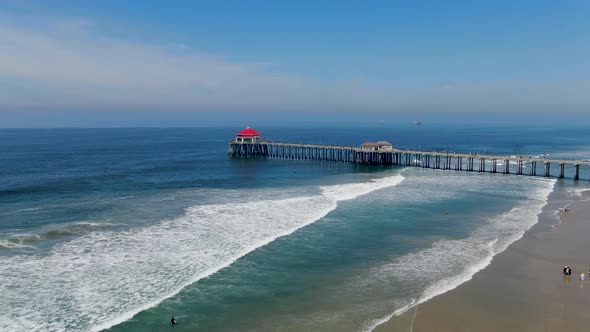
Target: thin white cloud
70,65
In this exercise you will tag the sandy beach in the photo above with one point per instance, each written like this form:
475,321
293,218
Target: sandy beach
523,289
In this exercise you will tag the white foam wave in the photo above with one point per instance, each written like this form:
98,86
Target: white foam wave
5,244
104,278
352,190
26,240
450,263
29,209
124,197
578,192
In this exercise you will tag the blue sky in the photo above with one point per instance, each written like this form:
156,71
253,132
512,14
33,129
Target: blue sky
84,57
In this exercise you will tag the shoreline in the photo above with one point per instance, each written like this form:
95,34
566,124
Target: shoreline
523,288
407,315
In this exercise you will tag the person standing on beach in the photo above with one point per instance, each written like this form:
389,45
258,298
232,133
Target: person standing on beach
582,275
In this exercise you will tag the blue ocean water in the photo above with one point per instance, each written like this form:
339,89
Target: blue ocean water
121,228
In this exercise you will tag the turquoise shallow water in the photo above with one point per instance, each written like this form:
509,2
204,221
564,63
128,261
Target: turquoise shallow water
355,264
122,228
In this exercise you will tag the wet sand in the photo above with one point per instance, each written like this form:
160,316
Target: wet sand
523,289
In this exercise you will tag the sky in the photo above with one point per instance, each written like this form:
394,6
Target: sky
121,62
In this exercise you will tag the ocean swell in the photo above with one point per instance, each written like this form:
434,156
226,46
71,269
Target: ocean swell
103,278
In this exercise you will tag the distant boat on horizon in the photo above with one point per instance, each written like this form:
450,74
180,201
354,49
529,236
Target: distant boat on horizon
418,123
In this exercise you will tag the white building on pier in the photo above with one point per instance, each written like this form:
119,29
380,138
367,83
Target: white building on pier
377,146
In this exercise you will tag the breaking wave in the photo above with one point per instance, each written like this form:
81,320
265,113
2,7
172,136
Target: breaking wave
103,277
450,263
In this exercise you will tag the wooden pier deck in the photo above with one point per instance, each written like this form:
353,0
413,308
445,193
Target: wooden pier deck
520,165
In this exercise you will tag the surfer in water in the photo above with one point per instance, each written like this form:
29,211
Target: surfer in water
173,320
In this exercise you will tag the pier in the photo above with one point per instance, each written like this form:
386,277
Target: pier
384,154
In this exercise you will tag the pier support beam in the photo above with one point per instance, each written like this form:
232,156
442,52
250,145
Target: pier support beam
561,170
436,160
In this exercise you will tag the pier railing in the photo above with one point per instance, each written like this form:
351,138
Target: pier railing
400,157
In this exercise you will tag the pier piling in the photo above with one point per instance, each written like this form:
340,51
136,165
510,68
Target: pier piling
561,170
399,157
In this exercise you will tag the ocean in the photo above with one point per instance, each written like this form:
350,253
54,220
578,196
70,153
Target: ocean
120,229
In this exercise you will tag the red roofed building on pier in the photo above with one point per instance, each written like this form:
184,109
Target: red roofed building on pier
248,135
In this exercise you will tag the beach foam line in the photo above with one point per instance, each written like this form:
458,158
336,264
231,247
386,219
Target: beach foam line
104,278
576,195
475,252
578,192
